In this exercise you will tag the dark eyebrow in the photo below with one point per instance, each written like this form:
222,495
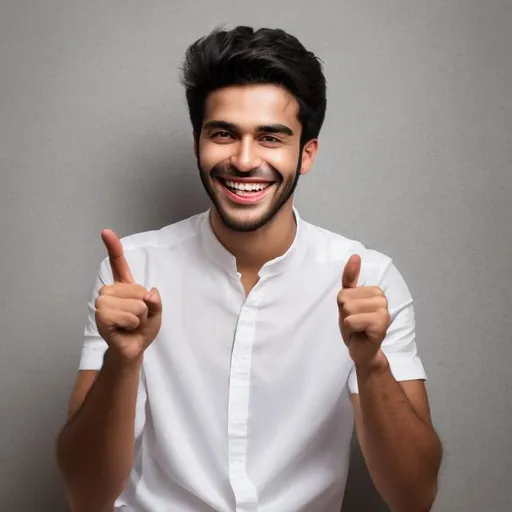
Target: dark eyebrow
222,125
232,127
274,128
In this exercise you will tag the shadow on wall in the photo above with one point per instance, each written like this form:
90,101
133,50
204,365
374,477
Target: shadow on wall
360,494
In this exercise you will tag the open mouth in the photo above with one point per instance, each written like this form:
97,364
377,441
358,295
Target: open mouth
245,192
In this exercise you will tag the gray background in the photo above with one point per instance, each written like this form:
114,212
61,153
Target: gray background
414,161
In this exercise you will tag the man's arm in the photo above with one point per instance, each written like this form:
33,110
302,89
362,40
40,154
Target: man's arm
401,449
95,448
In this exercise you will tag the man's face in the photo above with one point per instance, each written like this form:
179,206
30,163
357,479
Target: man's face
249,153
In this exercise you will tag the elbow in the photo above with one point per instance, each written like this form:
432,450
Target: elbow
418,491
80,501
61,456
426,504
85,507
419,501
77,486
425,491
430,496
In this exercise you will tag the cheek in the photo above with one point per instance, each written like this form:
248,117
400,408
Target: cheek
284,161
212,154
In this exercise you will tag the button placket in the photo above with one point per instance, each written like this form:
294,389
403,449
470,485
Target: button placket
238,406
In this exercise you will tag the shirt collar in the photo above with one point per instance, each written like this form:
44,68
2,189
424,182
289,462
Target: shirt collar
225,259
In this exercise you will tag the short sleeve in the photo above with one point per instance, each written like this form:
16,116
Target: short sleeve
94,346
399,345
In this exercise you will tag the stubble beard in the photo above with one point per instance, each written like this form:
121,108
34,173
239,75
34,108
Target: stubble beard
244,226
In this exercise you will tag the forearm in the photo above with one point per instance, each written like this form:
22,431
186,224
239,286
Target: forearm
95,449
402,450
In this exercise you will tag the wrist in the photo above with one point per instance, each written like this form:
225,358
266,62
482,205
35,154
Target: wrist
120,363
378,364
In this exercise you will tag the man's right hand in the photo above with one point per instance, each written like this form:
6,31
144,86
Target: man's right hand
128,316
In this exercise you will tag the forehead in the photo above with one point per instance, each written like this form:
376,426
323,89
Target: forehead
252,105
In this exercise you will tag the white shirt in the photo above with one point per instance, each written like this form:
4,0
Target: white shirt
244,402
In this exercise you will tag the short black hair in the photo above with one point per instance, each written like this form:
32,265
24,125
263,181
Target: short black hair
243,56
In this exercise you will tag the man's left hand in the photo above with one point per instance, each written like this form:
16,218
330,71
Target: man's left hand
364,317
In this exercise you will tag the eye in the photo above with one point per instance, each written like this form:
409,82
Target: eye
221,135
270,139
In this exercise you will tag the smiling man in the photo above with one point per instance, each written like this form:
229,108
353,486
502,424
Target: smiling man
266,180
227,356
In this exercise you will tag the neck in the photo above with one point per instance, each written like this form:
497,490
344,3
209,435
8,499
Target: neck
252,250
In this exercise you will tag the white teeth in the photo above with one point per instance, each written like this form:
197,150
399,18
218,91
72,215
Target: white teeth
249,187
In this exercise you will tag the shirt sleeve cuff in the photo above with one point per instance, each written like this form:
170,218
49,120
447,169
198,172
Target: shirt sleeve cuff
402,367
92,357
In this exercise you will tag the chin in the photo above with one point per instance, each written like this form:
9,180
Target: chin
244,222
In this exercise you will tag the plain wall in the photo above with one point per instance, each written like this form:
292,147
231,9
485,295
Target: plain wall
415,161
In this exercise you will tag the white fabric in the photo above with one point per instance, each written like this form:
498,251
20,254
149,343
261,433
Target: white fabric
244,402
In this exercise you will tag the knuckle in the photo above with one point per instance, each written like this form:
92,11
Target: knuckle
100,301
100,316
105,290
385,319
347,308
378,291
134,321
135,291
138,290
141,308
383,302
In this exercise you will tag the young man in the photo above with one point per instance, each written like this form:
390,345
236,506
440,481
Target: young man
226,356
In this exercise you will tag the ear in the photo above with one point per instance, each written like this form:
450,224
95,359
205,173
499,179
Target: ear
309,152
195,143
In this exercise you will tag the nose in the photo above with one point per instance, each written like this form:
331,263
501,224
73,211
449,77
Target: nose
245,158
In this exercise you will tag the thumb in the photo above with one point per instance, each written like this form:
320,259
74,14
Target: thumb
153,302
351,272
120,268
